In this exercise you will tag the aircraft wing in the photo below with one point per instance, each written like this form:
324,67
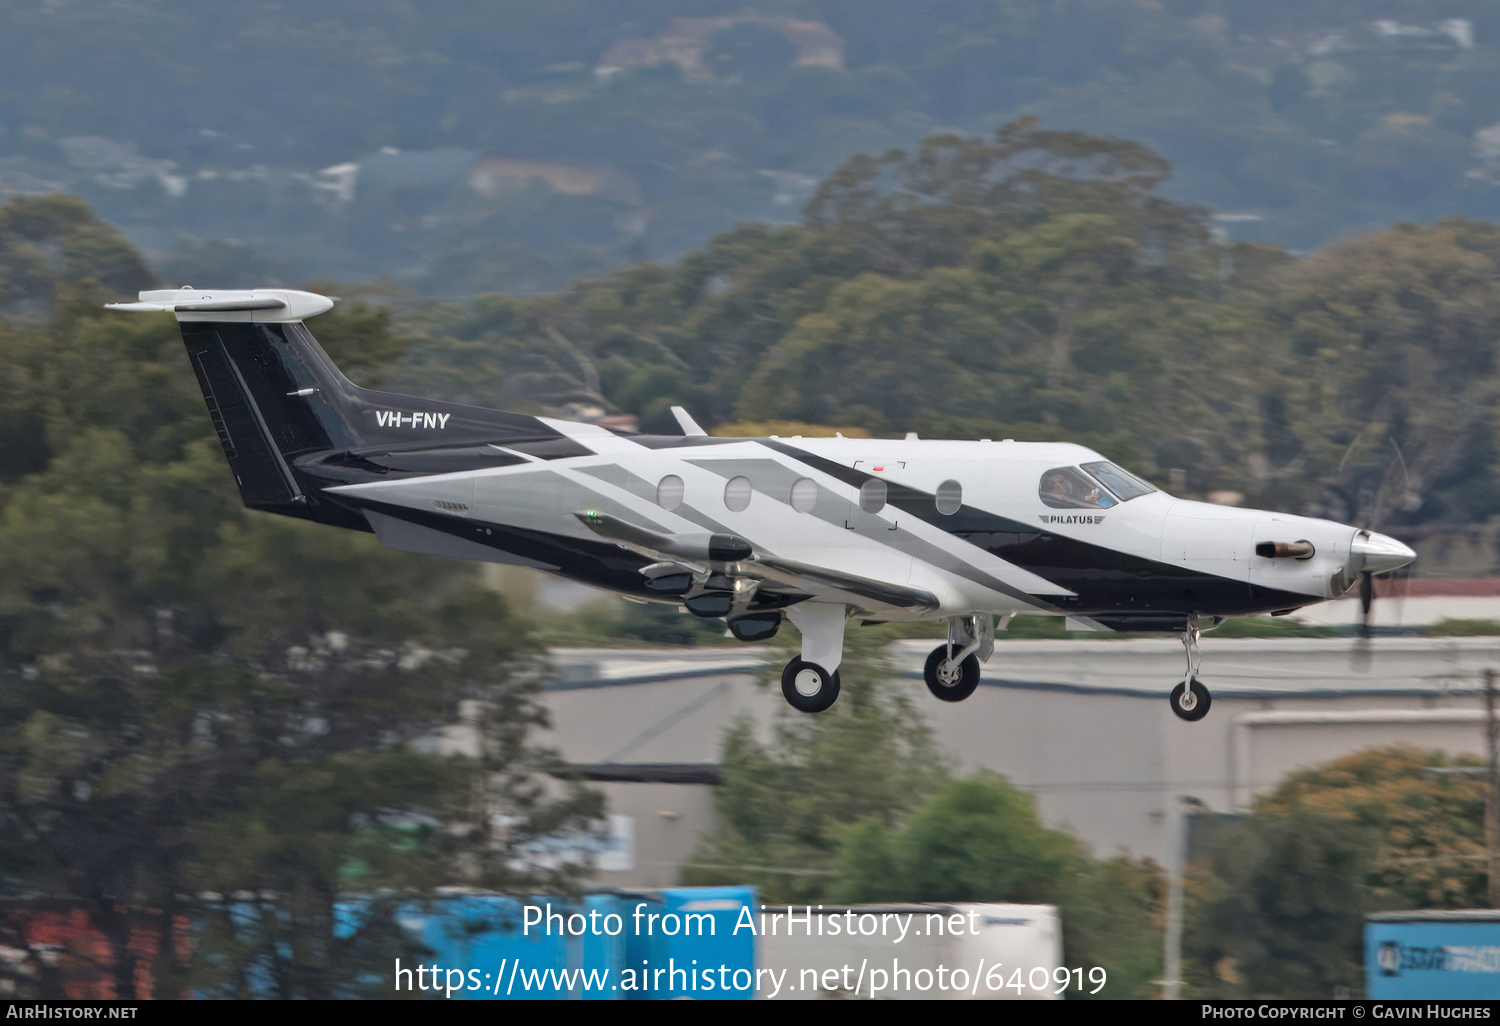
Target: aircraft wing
774,572
788,574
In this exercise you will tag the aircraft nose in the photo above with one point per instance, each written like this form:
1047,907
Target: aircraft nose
1376,553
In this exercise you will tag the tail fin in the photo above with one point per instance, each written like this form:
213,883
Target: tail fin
278,401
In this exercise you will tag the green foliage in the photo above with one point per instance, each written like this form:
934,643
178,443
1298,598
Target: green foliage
1388,373
54,238
1278,900
1278,911
1113,914
979,839
1452,628
786,803
856,804
1274,627
1033,273
1427,828
1033,285
195,699
1263,113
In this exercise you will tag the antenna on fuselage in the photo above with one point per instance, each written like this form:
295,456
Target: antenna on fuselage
687,423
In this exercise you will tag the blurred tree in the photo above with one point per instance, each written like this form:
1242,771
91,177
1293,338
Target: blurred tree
1305,115
196,699
1033,274
1278,900
227,263
1033,285
1428,826
1113,915
1386,353
930,208
1278,911
785,807
52,238
980,840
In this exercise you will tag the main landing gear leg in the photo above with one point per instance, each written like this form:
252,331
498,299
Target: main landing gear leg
811,683
1190,699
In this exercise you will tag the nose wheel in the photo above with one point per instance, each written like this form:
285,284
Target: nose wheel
949,678
1190,699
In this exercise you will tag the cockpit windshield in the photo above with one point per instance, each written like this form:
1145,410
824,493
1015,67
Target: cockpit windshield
1067,488
1124,484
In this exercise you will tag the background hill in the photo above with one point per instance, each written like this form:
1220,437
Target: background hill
460,148
1034,285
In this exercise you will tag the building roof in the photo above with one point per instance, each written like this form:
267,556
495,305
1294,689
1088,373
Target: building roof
1438,915
1149,668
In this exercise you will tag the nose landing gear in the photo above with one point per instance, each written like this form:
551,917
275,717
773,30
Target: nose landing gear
1190,699
952,670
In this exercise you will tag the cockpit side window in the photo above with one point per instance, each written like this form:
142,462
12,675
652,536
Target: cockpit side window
1123,483
1066,488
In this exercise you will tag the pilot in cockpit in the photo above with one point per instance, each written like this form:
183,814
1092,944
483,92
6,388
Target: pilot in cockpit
1064,488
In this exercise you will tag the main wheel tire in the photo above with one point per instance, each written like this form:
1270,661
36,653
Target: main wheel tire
951,684
1190,701
808,687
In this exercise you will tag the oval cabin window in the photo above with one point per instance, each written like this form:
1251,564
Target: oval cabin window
804,495
737,494
669,492
872,496
950,497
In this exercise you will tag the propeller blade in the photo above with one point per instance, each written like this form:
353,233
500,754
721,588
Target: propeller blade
1359,658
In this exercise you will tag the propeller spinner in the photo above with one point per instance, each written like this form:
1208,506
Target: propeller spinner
1372,554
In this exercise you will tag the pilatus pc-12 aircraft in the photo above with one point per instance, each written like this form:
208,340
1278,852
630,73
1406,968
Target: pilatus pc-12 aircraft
753,530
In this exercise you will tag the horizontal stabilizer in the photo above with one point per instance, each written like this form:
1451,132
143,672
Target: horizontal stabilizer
243,304
261,304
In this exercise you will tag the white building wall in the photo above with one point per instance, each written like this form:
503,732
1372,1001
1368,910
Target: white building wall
1082,725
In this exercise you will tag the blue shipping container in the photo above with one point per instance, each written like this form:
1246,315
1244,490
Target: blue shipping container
1438,955
608,946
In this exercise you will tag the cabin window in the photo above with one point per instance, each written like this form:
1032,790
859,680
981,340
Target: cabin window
1067,488
804,494
737,494
1123,483
872,496
669,492
950,498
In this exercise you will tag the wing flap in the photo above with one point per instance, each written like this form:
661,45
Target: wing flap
804,576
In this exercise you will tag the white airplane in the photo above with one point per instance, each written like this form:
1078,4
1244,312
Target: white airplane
753,530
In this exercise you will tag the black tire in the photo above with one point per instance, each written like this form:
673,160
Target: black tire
1190,702
955,690
801,699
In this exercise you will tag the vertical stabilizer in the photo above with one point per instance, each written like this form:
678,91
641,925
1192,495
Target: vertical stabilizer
279,403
